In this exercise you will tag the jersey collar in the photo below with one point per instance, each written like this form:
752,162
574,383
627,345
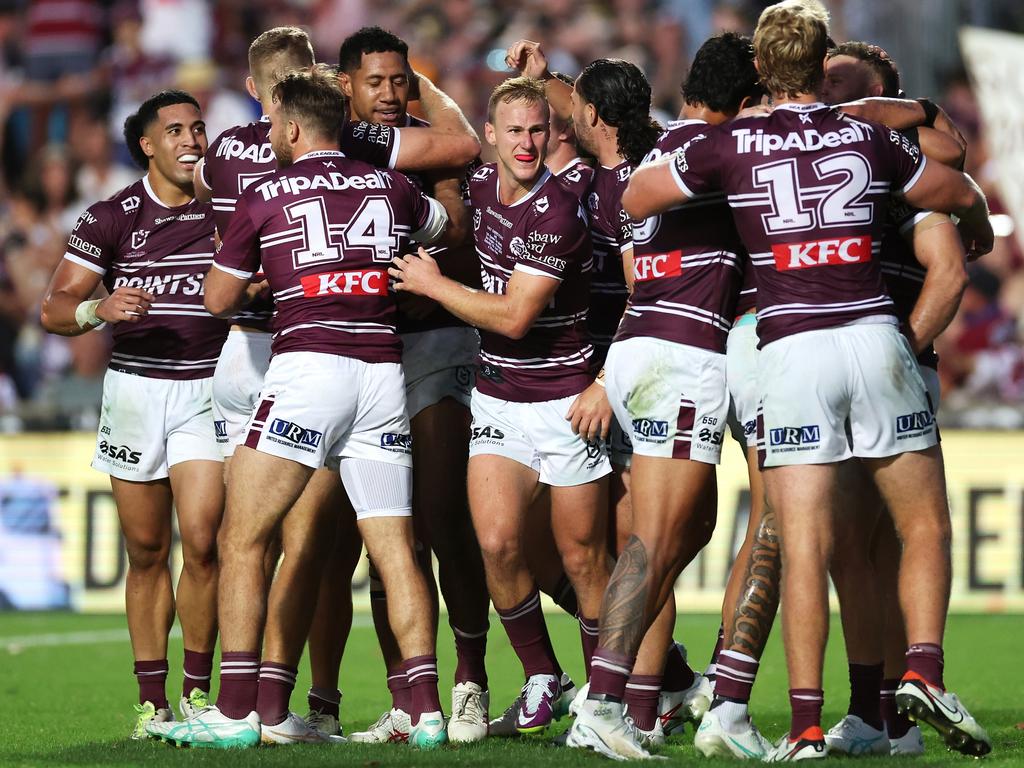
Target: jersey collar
319,153
567,166
801,107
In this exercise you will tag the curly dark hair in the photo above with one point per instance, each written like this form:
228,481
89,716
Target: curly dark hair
369,40
135,124
723,74
876,58
622,97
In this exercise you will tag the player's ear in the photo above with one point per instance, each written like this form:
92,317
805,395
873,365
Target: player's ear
591,112
250,88
293,131
489,134
147,145
345,83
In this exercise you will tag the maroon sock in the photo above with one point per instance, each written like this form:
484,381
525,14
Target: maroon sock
735,676
925,659
325,701
712,668
239,682
152,677
609,673
588,636
865,693
470,651
399,687
678,675
198,667
524,624
274,692
642,692
421,672
896,724
805,704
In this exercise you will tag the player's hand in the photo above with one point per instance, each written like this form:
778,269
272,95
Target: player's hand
415,273
528,59
591,414
978,239
414,85
755,110
255,290
125,305
944,124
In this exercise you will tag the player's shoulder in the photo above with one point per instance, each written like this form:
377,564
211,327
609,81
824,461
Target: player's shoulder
554,202
482,174
244,135
122,205
609,178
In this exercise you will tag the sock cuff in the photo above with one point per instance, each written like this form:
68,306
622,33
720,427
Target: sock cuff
737,656
807,694
325,694
925,649
612,661
250,657
589,626
469,635
529,603
644,683
151,667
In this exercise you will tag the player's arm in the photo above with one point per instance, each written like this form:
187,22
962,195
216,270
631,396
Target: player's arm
938,248
69,309
229,283
529,60
447,190
939,188
653,188
225,292
448,142
902,114
511,314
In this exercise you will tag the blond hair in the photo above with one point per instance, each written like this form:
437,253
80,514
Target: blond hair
790,45
528,89
277,52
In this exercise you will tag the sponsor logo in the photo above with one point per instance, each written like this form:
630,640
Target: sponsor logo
798,436
594,201
710,436
548,261
130,204
517,247
905,144
538,241
306,439
85,218
623,173
338,182
506,223
180,217
231,148
920,421
483,173
680,154
74,241
220,428
104,430
477,218
816,253
749,427
357,282
396,442
139,238
488,433
491,373
650,428
492,283
807,140
120,453
189,284
654,266
542,204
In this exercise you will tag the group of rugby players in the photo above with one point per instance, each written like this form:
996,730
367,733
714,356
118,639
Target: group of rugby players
575,339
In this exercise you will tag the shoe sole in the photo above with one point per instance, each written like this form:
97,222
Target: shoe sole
716,746
429,742
954,738
226,744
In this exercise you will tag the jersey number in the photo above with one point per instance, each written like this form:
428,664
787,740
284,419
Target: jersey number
846,177
372,226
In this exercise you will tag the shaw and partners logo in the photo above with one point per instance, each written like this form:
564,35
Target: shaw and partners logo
650,428
306,439
798,436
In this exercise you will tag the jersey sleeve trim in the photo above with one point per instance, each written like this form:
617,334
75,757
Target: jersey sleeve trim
83,263
396,145
679,180
240,274
535,271
916,177
912,221
434,226
202,174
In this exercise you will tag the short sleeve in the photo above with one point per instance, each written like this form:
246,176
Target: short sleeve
907,159
696,167
239,253
372,143
93,240
552,243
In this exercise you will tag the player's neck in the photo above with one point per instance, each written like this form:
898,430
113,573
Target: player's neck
559,161
300,151
800,98
511,190
704,113
167,192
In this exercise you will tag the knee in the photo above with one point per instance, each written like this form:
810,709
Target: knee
148,552
581,560
199,552
500,549
930,531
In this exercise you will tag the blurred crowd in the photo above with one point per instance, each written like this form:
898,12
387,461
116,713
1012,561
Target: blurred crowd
71,70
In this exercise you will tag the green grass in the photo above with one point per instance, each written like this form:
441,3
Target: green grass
71,704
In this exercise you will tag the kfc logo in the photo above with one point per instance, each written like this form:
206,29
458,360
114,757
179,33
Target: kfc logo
654,266
816,253
358,282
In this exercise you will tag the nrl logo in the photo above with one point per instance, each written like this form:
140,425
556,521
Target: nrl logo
139,238
542,204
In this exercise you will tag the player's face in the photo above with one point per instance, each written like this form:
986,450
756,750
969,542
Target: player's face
175,141
379,90
519,135
846,79
581,116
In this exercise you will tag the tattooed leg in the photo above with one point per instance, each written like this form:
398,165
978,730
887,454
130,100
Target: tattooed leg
758,602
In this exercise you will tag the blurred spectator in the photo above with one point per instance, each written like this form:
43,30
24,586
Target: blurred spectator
222,107
179,29
99,175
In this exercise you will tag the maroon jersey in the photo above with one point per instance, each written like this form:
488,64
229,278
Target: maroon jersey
135,240
544,233
611,230
686,264
325,230
902,272
809,187
576,177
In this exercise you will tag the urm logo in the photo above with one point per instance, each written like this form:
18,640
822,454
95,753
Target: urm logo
295,434
394,441
808,435
650,428
220,427
914,422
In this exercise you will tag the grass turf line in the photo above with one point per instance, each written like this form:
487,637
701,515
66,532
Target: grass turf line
71,705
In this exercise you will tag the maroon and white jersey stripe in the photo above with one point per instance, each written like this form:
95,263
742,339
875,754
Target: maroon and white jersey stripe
544,233
611,230
325,231
686,264
808,187
135,240
576,176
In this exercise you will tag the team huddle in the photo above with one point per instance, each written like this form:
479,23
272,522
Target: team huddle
335,327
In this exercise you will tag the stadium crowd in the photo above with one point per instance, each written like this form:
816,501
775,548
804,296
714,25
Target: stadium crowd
65,91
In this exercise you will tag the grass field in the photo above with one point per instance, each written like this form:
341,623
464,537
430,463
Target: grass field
66,692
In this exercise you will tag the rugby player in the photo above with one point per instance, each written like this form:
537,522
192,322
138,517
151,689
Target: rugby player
335,338
535,254
826,325
150,245
439,351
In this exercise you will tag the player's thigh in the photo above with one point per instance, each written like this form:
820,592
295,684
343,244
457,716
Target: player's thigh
389,542
198,488
307,527
144,513
261,489
803,498
500,493
440,452
668,495
913,488
237,381
579,514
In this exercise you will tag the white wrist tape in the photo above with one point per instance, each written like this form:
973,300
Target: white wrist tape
85,314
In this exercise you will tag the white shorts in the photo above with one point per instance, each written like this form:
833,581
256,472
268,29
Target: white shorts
439,364
237,381
148,425
933,385
741,372
832,394
672,396
314,407
538,436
